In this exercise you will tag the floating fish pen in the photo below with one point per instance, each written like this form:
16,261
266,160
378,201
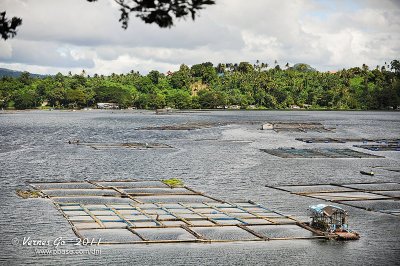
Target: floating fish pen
187,126
344,140
379,196
127,145
295,126
380,147
143,212
224,140
390,169
321,140
318,153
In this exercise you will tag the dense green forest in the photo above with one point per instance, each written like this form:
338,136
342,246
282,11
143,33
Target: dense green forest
207,86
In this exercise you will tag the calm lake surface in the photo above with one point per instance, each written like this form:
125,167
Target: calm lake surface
222,161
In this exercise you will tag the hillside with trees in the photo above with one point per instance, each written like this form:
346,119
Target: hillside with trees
255,86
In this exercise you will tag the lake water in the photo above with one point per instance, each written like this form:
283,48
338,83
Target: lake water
223,161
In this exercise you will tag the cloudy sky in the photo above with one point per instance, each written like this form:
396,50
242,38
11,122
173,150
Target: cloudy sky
71,35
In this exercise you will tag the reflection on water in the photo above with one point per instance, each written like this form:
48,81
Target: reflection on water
225,162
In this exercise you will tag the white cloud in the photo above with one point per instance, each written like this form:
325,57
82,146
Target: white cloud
75,35
125,63
365,35
48,54
5,49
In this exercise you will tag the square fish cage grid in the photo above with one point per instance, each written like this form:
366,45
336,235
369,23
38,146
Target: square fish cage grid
318,153
376,196
131,212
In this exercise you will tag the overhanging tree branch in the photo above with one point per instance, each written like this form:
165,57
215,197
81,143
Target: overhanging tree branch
161,12
8,28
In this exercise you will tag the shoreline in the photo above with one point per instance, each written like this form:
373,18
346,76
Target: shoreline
180,111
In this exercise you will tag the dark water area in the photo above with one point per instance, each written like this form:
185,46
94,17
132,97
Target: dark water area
222,161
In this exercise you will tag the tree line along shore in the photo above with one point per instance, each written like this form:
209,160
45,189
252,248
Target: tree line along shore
243,85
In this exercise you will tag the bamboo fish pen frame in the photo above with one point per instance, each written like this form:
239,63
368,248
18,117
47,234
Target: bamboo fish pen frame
345,140
296,126
318,153
360,194
175,222
125,145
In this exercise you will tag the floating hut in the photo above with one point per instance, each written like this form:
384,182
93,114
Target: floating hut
164,111
328,217
107,106
332,219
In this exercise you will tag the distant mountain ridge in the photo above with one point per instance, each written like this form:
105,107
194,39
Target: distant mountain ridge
5,72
